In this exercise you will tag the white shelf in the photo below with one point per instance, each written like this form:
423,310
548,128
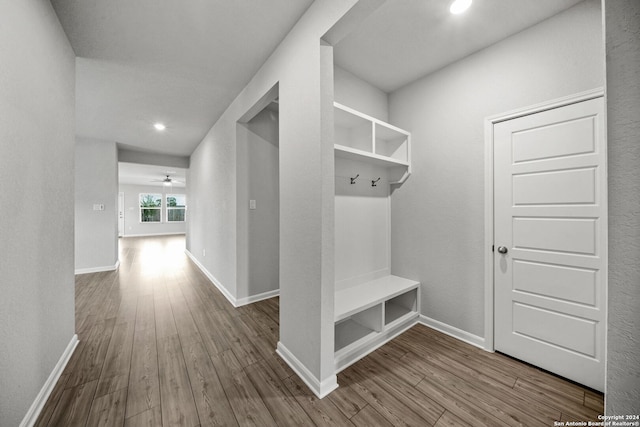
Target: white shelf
350,333
354,299
372,313
376,159
365,138
395,313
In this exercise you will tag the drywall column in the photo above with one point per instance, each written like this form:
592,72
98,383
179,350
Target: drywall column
622,35
305,189
37,126
96,195
306,270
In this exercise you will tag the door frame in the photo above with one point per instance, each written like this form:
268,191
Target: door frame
489,123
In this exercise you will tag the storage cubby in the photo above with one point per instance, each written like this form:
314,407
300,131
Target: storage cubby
391,142
398,307
360,137
352,131
371,313
349,331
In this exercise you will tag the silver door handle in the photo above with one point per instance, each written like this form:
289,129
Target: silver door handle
502,249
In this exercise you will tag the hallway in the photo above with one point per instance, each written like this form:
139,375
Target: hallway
160,345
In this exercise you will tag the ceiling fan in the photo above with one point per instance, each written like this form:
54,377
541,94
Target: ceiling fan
168,181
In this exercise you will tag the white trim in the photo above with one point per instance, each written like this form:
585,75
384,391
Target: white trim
98,269
235,302
320,389
547,105
452,331
36,407
258,297
212,278
155,234
489,123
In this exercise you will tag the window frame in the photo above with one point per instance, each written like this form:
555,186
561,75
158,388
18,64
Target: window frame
176,208
157,197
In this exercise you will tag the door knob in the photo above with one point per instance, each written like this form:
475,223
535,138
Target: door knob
503,249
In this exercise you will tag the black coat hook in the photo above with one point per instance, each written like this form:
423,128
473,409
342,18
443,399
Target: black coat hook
374,182
353,180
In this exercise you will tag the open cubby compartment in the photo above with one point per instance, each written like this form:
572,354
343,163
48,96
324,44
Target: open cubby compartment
400,306
391,142
357,328
353,131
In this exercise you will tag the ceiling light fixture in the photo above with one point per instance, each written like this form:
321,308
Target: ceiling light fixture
459,6
159,126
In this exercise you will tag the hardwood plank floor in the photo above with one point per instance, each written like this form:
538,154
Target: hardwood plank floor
161,346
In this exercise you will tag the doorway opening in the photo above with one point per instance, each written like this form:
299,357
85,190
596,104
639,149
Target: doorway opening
258,201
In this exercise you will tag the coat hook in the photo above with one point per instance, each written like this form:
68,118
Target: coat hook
353,180
374,182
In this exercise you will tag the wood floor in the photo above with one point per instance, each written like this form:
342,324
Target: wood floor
160,346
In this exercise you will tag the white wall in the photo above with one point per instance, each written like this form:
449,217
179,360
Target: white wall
437,234
354,92
132,224
257,159
96,182
361,223
37,84
306,191
362,220
145,158
622,21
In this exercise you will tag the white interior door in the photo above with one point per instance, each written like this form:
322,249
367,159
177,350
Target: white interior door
120,214
550,240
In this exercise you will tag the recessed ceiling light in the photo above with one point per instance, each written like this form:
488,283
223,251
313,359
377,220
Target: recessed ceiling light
459,6
159,126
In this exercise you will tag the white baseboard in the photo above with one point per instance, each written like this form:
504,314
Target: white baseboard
212,278
154,234
453,331
258,297
235,302
320,389
98,269
36,407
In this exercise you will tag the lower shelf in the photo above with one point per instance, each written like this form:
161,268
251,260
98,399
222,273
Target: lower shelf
349,334
393,312
366,343
370,314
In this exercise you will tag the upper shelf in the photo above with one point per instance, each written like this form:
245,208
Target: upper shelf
365,138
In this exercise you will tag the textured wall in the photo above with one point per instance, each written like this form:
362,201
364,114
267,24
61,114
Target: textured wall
354,92
622,23
37,84
96,182
437,233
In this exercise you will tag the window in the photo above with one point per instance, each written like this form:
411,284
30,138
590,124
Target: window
150,207
176,206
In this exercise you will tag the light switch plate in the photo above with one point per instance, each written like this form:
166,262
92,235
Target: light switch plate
252,204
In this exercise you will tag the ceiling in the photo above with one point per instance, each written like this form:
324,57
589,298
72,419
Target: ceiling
137,174
182,62
404,40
